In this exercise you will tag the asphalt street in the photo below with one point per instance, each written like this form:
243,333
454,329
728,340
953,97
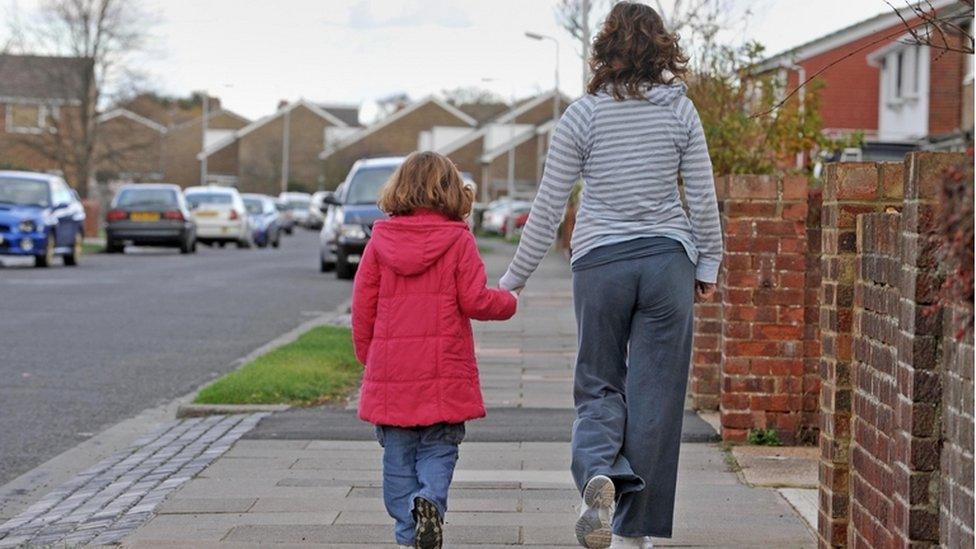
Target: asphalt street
83,348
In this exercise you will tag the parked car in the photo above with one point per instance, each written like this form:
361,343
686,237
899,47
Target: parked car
40,217
298,204
316,210
220,215
343,237
284,212
150,214
265,221
496,217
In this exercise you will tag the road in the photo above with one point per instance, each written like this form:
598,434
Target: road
84,348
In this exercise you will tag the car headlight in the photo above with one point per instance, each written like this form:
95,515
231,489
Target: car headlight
353,232
27,226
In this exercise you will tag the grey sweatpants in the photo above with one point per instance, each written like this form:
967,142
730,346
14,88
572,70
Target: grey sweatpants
634,320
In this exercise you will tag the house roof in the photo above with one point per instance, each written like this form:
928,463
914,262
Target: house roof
483,112
211,116
515,141
504,118
35,77
348,113
845,35
369,130
221,143
115,113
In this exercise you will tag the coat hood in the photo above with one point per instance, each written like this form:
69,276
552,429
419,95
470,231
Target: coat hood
410,244
666,94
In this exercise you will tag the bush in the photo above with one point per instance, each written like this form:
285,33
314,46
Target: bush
763,437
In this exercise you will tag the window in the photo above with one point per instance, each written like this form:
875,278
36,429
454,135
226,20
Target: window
29,117
901,73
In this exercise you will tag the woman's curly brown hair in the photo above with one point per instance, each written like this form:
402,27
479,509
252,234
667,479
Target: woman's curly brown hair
634,52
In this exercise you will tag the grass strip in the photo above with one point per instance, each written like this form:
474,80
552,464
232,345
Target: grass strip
319,367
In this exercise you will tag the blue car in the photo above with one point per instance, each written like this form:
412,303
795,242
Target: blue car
266,225
40,217
350,214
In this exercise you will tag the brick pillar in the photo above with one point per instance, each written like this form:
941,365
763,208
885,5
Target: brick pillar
705,383
917,435
849,189
763,306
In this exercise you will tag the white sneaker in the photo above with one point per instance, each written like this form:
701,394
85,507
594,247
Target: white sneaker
625,542
596,513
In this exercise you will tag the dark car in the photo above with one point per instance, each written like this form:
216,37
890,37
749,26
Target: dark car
265,221
150,214
353,215
40,217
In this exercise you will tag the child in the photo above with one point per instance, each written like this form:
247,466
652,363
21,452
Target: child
419,282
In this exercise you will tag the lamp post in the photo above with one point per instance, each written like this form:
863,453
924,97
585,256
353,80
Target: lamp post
203,139
555,91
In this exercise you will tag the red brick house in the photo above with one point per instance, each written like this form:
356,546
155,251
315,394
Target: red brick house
254,157
129,147
396,135
900,95
511,145
40,110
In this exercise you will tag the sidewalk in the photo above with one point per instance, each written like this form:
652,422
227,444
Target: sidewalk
312,477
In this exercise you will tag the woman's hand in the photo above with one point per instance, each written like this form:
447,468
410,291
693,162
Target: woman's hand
704,290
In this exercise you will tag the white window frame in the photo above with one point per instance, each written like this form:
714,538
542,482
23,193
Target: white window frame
967,60
45,114
908,88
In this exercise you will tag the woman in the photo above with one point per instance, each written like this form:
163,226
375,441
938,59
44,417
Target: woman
638,260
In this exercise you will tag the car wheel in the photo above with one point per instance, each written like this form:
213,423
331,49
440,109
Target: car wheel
220,243
113,247
277,240
71,260
48,258
325,266
242,244
344,270
288,230
188,246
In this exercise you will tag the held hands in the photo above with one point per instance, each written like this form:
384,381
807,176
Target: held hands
704,290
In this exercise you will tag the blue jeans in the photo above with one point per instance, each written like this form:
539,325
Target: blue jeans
417,462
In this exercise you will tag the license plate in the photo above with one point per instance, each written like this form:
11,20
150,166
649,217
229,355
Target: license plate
144,216
206,214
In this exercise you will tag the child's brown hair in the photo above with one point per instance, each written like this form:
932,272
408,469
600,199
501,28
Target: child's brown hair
427,181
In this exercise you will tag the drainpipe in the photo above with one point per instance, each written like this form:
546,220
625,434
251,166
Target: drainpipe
801,78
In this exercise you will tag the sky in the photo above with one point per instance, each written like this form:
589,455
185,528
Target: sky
254,53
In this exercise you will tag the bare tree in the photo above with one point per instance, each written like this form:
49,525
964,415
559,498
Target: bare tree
471,95
103,32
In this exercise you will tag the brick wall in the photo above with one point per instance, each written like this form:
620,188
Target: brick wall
849,190
956,487
896,405
873,379
917,431
704,384
763,367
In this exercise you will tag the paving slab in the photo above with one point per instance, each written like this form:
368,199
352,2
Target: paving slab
779,466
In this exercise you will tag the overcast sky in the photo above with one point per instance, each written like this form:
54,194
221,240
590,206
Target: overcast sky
253,53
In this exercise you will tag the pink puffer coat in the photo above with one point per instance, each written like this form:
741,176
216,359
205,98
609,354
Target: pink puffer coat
419,282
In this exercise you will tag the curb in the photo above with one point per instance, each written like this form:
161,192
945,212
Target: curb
200,410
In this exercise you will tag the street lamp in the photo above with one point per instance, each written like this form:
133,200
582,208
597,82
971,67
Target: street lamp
555,94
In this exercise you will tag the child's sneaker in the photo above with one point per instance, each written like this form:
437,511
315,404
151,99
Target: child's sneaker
429,529
593,526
